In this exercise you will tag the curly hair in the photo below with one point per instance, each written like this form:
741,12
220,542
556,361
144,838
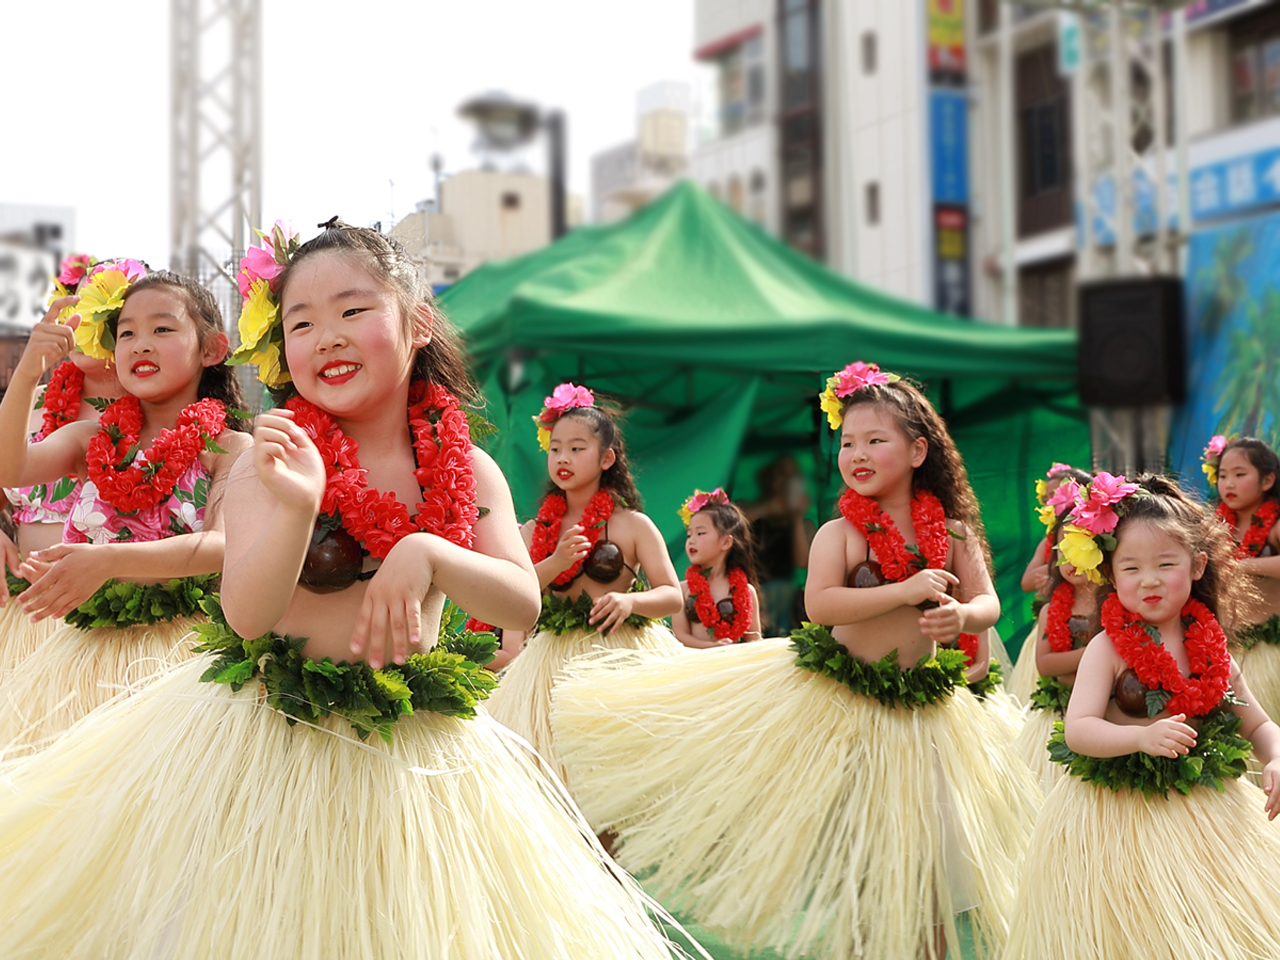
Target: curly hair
441,361
1170,508
943,472
218,381
617,479
729,520
1263,459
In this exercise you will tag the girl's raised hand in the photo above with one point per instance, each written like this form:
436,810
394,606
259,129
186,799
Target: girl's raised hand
943,623
1271,787
62,577
929,584
49,341
287,462
573,546
611,611
390,624
1170,737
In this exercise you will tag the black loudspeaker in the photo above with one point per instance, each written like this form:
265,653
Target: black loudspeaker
1132,342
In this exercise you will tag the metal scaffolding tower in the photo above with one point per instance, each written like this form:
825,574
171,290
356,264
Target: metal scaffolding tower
216,140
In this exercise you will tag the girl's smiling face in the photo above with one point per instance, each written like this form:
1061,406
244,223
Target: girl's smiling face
1239,485
344,335
1153,571
158,352
876,457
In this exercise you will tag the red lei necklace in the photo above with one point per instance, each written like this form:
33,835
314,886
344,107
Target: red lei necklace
61,397
442,448
898,561
113,452
1207,656
709,615
1260,524
546,528
1056,630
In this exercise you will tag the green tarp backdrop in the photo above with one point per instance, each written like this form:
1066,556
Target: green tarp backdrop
716,338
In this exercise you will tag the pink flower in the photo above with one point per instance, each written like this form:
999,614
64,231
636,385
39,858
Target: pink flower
701,499
258,264
566,396
1096,513
74,267
1109,489
858,375
132,269
1065,497
1057,468
1217,444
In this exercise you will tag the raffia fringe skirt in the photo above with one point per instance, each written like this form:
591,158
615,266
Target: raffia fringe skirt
780,809
1022,683
1115,875
188,821
75,670
19,637
1031,747
523,698
1260,665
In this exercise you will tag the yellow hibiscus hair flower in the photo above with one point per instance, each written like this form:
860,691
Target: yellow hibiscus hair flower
832,405
1079,548
100,303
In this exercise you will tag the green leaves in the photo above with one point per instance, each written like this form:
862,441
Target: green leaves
122,603
560,615
1219,755
987,685
1266,632
1051,694
930,680
1156,700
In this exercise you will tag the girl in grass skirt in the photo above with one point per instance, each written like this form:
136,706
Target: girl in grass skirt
840,794
238,807
589,542
722,561
1153,846
143,540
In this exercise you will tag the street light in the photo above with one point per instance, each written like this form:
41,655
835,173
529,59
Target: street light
506,124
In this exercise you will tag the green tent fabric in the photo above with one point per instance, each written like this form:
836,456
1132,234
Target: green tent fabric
716,338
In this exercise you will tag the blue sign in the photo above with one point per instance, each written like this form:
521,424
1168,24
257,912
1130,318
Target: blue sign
949,134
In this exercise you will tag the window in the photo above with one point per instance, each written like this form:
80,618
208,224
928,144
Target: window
510,201
757,196
800,124
872,192
741,86
735,194
1255,67
1042,144
1042,105
869,53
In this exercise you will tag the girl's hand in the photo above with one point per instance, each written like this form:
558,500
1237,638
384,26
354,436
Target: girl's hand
611,611
1170,737
573,546
11,562
1271,787
390,622
50,341
945,622
287,462
928,585
63,577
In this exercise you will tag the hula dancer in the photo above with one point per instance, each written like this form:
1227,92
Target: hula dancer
840,794
721,605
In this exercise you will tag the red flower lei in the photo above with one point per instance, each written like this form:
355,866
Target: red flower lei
112,455
709,616
1207,656
897,560
61,397
1260,524
442,448
546,528
1056,630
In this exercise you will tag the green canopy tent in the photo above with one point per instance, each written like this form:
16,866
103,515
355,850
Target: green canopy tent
717,338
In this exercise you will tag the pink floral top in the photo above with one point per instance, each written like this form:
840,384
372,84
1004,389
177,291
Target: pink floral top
93,520
45,502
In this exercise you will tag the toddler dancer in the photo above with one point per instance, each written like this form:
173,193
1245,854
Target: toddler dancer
719,546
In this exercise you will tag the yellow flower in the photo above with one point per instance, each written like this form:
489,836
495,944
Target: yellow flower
270,365
1081,550
258,315
685,513
1211,473
100,303
1048,516
59,291
832,405
544,436
1042,490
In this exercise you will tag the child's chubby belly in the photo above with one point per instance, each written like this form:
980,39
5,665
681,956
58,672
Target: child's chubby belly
870,640
328,620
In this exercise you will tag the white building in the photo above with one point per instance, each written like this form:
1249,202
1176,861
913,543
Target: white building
628,176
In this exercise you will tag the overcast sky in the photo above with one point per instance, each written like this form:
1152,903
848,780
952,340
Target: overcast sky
356,94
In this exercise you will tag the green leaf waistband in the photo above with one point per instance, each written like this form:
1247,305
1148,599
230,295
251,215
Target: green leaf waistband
1051,694
123,603
560,615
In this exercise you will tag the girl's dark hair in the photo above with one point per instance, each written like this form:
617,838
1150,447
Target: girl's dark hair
218,381
729,520
617,479
1262,457
1222,589
441,361
942,473
1071,473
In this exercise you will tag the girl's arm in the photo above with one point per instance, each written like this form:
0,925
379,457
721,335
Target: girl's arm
10,561
1048,662
683,629
662,599
573,546
67,574
1088,733
1036,577
976,609
755,631
827,599
1265,566
1263,733
494,582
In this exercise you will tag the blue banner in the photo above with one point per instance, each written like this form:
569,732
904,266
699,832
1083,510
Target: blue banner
949,135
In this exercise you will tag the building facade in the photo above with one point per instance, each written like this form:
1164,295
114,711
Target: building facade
628,176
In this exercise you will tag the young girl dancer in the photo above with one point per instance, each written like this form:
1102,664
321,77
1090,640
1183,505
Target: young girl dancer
1153,846
230,809
1035,579
78,389
720,601
840,794
1066,624
1246,471
588,542
155,464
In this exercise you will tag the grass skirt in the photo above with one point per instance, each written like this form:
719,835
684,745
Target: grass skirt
1114,875
1022,683
523,698
779,809
190,821
19,637
1260,665
1031,746
75,670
